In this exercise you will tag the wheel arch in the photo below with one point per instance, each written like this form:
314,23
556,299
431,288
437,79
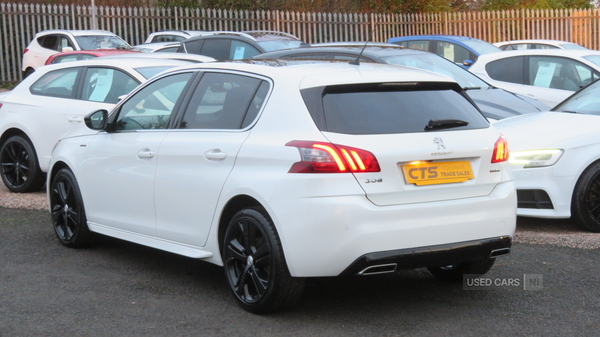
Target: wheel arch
14,132
59,165
234,205
584,170
581,214
10,132
28,71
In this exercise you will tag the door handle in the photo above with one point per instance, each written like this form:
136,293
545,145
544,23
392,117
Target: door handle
76,119
146,153
215,154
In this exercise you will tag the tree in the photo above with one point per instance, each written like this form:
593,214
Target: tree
534,4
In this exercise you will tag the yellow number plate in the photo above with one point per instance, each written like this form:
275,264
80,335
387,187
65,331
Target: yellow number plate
424,173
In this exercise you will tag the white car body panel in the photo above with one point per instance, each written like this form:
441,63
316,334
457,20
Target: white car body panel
553,43
188,162
577,134
132,163
37,55
549,96
44,120
324,218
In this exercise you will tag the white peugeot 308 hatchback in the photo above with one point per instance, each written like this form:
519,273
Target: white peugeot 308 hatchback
279,171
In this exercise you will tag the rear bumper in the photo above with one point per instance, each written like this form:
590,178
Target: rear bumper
338,231
439,255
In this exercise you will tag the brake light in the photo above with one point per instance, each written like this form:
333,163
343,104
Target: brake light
321,157
500,153
25,51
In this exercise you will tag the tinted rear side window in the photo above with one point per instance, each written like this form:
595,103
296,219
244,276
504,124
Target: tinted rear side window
506,70
216,48
48,41
387,108
192,47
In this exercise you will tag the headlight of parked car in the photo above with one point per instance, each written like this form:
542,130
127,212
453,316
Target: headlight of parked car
535,158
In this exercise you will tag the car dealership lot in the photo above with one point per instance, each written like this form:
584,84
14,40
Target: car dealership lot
118,288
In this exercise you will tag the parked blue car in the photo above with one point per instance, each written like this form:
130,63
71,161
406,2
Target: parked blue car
461,50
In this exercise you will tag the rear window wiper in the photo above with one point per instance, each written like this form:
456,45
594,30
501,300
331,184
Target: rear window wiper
435,124
471,88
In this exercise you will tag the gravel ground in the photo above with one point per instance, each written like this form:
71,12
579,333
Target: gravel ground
35,200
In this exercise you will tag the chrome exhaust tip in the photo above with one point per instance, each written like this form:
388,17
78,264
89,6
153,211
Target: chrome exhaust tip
379,269
499,252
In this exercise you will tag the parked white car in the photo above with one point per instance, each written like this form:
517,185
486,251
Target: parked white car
157,47
282,170
192,58
549,76
268,40
50,42
537,44
53,101
166,36
555,159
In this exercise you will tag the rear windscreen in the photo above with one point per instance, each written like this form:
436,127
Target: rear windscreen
390,108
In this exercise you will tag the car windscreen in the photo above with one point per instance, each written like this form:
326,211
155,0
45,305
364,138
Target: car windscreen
572,46
279,44
148,72
146,50
385,108
586,101
481,47
438,65
595,59
91,42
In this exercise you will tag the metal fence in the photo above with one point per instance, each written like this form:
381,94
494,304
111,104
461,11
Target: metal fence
20,22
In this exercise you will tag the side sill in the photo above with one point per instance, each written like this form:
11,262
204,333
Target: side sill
150,241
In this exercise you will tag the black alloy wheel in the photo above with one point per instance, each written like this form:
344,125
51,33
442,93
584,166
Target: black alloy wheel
68,214
585,206
20,169
254,264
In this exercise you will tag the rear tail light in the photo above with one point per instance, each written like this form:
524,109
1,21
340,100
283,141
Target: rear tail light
500,153
322,157
25,51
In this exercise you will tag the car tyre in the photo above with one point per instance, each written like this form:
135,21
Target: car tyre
585,206
255,266
456,272
20,170
28,72
68,214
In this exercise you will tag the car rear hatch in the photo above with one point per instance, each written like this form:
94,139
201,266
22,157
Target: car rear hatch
430,142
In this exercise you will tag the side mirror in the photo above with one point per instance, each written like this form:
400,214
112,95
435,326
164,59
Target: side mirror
468,63
96,120
67,49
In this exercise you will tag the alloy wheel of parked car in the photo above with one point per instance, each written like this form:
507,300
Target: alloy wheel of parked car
456,272
254,264
68,213
20,169
586,199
